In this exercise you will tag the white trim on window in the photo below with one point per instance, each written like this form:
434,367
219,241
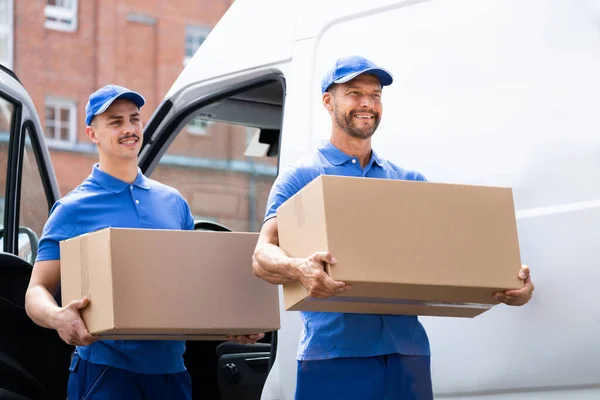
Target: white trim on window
194,37
62,16
53,126
198,126
7,33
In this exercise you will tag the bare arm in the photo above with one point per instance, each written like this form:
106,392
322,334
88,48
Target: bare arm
273,265
39,301
43,310
270,262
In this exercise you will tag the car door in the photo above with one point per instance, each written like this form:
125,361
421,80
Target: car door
34,361
218,144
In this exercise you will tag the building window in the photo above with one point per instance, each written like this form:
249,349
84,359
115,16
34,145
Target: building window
194,37
61,15
6,33
198,126
60,126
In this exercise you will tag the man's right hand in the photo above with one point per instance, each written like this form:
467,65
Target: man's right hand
311,272
67,321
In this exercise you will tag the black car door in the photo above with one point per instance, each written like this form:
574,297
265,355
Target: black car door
34,361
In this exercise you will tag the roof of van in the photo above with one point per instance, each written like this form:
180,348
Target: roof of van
260,32
250,33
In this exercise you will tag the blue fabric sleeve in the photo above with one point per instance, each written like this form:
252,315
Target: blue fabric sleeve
287,184
188,218
61,225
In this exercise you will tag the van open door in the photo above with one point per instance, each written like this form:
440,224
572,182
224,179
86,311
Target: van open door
218,144
34,361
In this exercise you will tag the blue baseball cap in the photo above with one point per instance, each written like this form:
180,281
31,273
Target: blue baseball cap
102,98
348,68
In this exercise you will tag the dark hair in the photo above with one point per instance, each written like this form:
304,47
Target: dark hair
331,87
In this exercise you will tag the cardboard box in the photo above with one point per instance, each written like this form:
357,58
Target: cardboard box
164,284
412,248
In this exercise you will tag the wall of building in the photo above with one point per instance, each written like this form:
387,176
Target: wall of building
139,44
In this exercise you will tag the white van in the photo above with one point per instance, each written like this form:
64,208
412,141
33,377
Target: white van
493,92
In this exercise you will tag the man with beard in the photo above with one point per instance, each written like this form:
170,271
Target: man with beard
116,194
350,356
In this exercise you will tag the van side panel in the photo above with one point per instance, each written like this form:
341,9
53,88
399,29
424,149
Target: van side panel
498,92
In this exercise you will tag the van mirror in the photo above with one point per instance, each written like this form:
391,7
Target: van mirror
255,147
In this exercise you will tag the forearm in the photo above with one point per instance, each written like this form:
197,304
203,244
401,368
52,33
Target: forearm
274,266
41,306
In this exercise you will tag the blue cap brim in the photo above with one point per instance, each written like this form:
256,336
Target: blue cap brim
385,77
134,97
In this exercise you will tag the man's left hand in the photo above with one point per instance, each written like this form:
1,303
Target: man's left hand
246,339
518,297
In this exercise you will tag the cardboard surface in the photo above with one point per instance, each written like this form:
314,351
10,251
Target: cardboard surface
414,248
164,284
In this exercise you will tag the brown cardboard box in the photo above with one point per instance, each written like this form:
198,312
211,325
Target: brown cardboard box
163,284
413,248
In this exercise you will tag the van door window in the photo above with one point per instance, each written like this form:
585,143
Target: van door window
33,210
6,117
224,161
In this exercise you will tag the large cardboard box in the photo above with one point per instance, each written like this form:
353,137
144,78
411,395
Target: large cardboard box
412,248
165,284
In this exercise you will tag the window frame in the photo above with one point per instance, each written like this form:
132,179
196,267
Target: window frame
13,178
154,148
196,130
58,13
8,30
59,104
195,31
28,130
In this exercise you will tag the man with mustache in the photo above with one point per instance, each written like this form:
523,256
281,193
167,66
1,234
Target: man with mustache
116,194
351,356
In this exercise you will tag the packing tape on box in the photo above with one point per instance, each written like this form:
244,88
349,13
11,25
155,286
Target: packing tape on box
375,300
166,335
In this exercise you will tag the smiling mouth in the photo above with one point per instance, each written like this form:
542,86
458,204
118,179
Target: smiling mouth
129,140
363,116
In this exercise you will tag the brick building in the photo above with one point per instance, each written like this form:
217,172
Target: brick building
62,50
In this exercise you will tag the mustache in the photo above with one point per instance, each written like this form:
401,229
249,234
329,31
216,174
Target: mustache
127,137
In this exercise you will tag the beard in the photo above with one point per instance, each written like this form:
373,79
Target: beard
346,122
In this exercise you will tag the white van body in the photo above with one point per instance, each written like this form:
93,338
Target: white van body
490,92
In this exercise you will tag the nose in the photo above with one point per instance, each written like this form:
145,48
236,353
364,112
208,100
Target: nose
367,101
128,128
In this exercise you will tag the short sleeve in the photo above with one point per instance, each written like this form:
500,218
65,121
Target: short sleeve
287,184
61,225
188,218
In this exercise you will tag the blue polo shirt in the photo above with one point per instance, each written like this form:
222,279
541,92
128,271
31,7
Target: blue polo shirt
103,201
333,335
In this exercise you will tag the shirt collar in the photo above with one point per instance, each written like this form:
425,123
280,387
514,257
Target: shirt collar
116,185
376,159
337,157
334,155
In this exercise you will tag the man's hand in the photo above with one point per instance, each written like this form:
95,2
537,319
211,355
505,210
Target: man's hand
273,265
521,296
311,272
246,339
67,321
